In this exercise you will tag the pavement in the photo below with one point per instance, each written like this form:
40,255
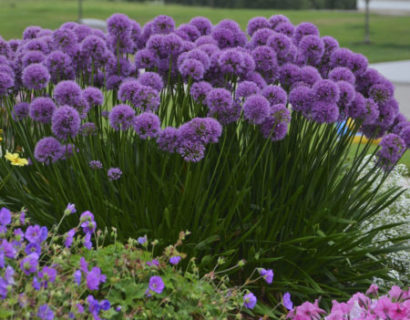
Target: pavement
398,72
389,7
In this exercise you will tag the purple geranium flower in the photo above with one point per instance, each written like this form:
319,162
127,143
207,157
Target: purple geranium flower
30,263
95,278
249,300
5,216
156,284
175,260
267,275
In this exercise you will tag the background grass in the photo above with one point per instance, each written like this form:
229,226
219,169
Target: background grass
389,34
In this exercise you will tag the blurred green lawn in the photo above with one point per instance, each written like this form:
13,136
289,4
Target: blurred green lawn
389,34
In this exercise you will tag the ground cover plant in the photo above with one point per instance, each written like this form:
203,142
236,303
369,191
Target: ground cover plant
239,138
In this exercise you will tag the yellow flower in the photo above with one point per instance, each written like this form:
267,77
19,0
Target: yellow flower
15,159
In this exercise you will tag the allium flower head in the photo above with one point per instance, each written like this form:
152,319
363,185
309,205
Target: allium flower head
67,93
257,23
279,42
119,25
203,25
192,68
342,73
151,79
326,91
285,28
147,125
219,98
95,164
41,109
48,150
191,151
260,37
163,24
6,82
60,66
65,122
246,88
304,29
311,49
156,284
93,96
20,111
35,76
249,300
274,94
114,174
203,130
256,109
324,112
392,148
199,90
168,139
381,92
32,56
275,20
140,96
122,117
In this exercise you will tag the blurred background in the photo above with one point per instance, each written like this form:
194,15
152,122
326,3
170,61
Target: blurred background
379,29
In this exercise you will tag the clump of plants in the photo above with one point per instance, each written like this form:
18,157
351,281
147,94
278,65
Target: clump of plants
239,137
48,275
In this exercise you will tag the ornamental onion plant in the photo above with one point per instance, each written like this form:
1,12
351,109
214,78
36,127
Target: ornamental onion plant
244,139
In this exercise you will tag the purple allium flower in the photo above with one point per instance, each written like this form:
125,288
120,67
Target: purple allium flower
224,37
405,135
392,148
32,56
143,97
289,74
249,300
41,109
287,302
192,68
311,49
122,117
260,37
147,125
191,151
381,92
6,82
33,247
31,32
264,58
60,66
65,122
219,98
95,278
168,139
114,174
77,277
203,130
48,150
146,58
119,24
267,275
275,126
156,284
388,112
257,23
274,94
67,93
246,89
358,63
309,75
341,57
174,260
324,112
304,29
275,20
231,61
29,264
199,90
69,237
285,28
93,47
95,164
357,108
203,25
45,313
5,216
208,49
256,109
20,111
93,96
371,112
35,77
346,96
342,73
151,79
279,42
163,24
326,91
188,32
